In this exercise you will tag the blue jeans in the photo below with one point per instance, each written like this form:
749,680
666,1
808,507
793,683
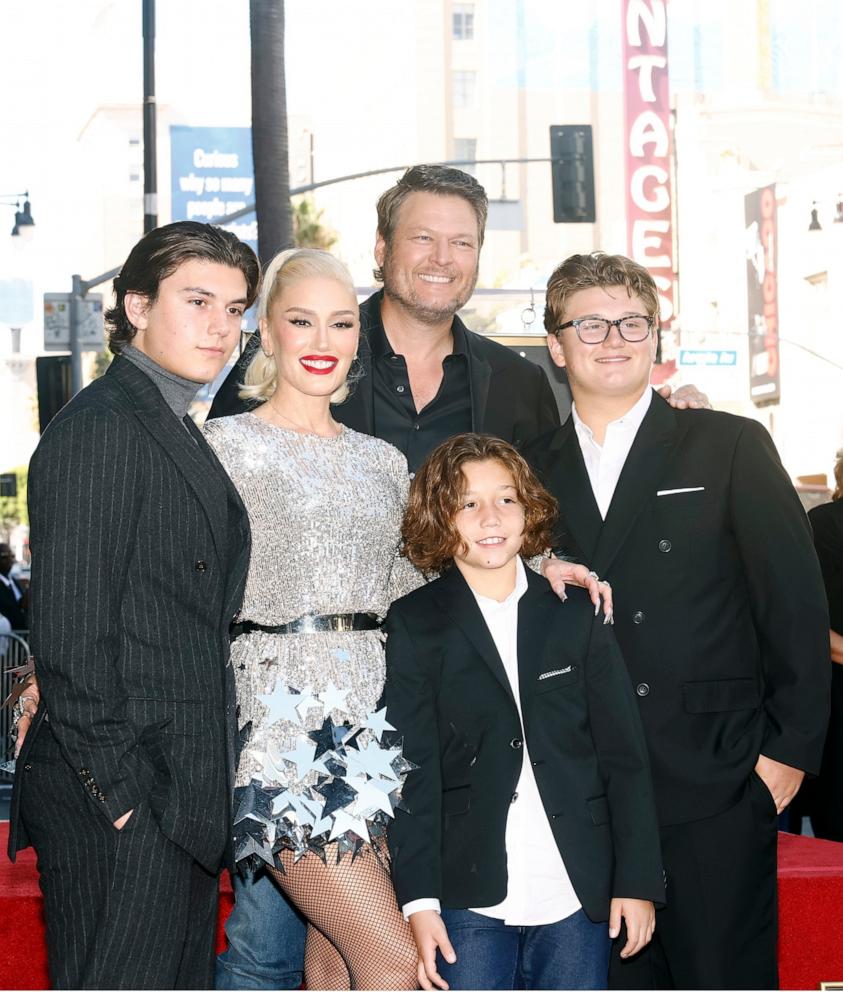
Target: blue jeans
571,954
265,939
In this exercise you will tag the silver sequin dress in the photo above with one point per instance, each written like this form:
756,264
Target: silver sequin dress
319,762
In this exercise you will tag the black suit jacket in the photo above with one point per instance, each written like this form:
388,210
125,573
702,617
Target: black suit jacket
448,694
511,397
11,608
140,547
719,605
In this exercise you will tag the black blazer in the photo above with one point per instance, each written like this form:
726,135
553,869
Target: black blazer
719,605
827,527
140,546
11,608
511,397
448,694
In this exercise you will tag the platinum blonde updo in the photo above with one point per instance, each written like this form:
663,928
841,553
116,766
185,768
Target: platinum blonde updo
289,267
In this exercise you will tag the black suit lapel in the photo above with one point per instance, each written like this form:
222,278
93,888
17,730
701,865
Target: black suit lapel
479,376
240,538
457,600
533,630
566,477
180,445
654,444
358,411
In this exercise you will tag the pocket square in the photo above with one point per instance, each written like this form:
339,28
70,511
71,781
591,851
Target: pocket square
675,492
556,671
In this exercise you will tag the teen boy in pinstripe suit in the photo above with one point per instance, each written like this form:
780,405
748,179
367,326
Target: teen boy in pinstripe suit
139,554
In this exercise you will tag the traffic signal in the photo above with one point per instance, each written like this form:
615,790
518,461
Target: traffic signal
572,174
52,373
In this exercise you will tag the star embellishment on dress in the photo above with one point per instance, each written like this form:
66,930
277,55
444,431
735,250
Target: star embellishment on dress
333,698
303,757
282,704
377,723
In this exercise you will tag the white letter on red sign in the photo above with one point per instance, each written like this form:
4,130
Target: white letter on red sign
652,16
645,64
660,200
647,235
648,129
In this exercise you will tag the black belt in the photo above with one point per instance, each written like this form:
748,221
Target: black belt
338,622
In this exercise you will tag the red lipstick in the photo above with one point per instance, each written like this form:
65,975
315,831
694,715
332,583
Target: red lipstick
319,364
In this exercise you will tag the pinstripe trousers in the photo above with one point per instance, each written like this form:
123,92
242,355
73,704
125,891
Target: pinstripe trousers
124,909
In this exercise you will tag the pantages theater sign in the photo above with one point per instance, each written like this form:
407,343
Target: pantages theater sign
649,195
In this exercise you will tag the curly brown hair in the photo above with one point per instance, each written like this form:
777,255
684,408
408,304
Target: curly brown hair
431,538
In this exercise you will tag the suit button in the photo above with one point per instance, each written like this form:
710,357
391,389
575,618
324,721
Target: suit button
642,689
638,617
513,797
200,565
664,546
515,743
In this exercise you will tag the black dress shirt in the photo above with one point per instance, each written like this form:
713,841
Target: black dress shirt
417,433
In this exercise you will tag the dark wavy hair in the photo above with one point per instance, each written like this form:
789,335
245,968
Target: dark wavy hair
600,270
431,538
158,254
440,179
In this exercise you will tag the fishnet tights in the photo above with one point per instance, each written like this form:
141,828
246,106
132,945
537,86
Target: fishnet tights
357,937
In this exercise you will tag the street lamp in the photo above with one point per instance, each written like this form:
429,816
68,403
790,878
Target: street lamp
23,218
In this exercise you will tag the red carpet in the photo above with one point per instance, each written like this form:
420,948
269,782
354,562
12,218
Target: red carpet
810,901
23,956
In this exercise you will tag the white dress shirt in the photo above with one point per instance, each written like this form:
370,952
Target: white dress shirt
10,583
539,890
605,463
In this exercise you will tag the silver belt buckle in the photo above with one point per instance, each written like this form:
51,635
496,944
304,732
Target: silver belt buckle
309,625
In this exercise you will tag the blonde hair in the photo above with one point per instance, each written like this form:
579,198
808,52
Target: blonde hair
286,268
838,477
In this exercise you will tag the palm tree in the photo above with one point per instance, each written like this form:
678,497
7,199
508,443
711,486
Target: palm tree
308,228
269,128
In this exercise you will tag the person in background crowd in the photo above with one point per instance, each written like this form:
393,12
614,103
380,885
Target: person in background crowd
721,619
139,552
13,600
825,793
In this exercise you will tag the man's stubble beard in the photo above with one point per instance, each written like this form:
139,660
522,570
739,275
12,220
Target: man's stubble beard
423,312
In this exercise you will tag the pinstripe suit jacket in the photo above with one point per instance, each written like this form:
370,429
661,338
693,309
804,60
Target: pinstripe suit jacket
140,546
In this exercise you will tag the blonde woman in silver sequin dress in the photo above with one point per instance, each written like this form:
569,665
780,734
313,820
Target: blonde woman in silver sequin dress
320,770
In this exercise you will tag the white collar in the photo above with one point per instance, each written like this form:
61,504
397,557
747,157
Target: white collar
487,603
630,421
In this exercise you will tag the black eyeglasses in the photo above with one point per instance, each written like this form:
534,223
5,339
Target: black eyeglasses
595,330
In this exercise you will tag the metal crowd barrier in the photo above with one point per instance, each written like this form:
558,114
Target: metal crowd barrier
14,652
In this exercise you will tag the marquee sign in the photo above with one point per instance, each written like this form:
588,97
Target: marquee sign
649,195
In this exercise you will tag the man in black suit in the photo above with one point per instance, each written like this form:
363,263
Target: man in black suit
720,615
12,597
140,548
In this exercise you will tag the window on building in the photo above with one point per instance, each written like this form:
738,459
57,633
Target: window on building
465,150
465,85
463,22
